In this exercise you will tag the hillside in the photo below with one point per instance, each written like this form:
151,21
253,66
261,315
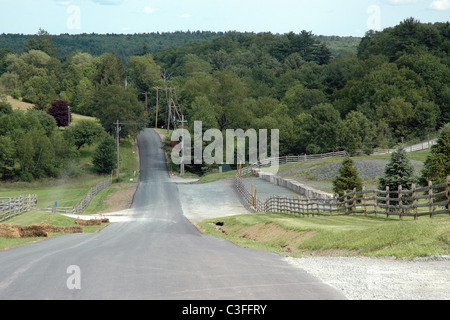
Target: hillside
121,44
127,45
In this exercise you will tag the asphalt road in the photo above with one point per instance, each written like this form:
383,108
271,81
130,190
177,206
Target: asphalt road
159,254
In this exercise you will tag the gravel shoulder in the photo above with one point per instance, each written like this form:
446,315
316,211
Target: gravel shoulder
360,278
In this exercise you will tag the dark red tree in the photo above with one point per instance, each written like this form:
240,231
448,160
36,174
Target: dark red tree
60,111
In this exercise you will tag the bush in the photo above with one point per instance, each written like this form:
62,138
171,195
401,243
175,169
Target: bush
16,94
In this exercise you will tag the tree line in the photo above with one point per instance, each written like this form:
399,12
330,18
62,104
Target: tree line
394,87
123,45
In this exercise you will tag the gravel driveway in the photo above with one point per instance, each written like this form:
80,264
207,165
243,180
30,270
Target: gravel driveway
360,278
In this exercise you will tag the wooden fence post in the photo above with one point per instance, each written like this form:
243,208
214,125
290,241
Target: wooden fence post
430,198
345,203
375,204
414,201
363,201
400,202
387,201
447,193
255,199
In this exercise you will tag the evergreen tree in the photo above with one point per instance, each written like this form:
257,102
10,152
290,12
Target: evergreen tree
437,164
348,178
398,171
104,158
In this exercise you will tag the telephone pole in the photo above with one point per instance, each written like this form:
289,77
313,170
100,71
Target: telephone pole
118,129
182,146
157,105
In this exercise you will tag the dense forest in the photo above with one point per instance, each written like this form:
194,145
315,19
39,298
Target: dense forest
123,45
320,93
127,45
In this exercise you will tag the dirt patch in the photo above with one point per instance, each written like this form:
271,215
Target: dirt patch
271,233
121,198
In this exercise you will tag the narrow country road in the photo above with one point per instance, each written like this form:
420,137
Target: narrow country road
159,254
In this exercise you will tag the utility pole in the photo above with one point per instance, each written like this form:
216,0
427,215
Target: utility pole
182,146
157,105
170,109
118,129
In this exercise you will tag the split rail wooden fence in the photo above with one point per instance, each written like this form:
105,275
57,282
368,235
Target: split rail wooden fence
13,206
79,208
424,201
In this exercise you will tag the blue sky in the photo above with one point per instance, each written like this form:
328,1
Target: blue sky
322,17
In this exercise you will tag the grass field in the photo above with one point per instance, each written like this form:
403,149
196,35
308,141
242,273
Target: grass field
25,106
36,217
339,236
69,192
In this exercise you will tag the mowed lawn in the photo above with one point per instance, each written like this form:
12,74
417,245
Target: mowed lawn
354,235
68,192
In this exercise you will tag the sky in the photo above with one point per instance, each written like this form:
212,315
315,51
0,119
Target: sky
321,17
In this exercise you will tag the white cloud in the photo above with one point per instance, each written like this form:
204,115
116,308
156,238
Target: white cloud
149,10
400,2
185,15
108,2
440,5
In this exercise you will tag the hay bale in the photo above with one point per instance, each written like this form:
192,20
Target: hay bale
45,226
32,231
9,231
73,229
60,229
91,222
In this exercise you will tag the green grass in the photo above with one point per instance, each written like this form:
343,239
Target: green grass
69,192
211,177
340,235
36,217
